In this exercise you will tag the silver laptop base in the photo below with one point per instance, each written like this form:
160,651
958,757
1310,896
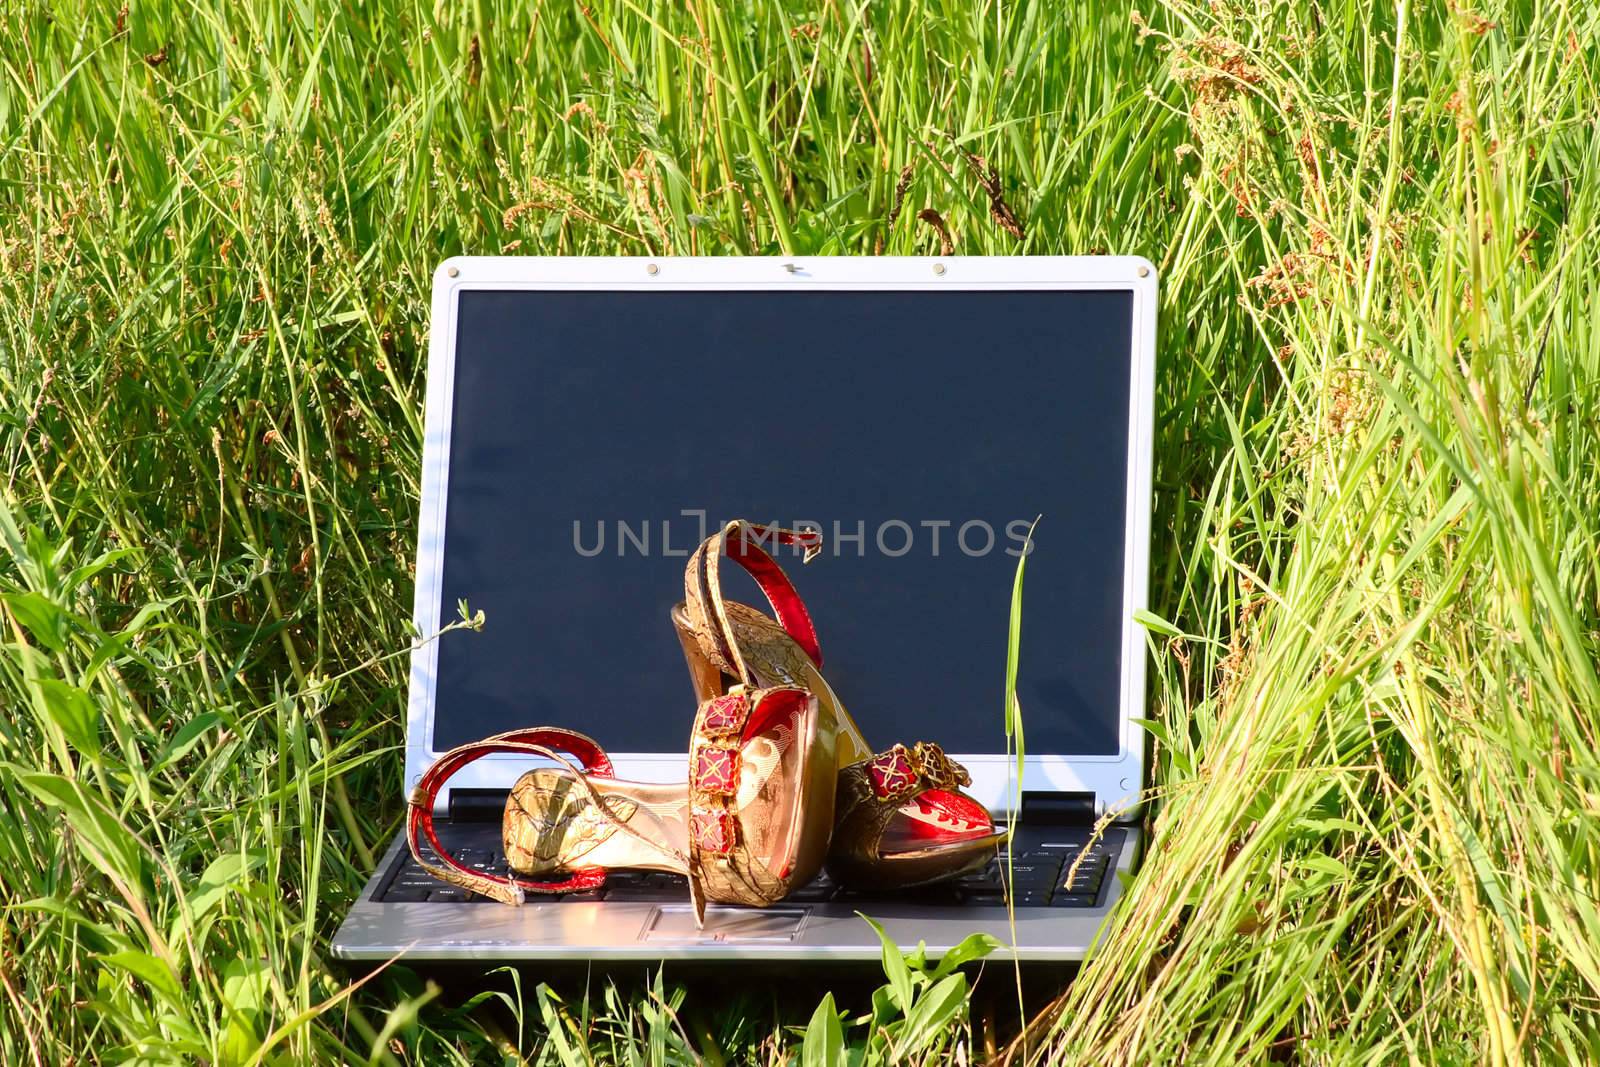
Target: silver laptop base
618,928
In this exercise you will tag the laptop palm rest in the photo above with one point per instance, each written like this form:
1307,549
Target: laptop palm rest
675,922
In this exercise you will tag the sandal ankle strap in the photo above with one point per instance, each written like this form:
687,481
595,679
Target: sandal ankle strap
741,541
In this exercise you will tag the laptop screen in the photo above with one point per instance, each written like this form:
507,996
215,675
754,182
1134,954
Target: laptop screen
597,436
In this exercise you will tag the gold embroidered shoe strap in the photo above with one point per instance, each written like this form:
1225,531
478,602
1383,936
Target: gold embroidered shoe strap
708,614
721,865
900,772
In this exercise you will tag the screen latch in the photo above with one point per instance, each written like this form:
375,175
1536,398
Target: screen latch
478,805
1057,809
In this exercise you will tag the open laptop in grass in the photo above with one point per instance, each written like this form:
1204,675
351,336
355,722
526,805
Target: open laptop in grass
590,420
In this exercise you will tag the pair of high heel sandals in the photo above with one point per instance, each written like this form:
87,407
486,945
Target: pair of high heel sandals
781,781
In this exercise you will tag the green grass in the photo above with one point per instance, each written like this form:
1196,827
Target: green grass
1376,818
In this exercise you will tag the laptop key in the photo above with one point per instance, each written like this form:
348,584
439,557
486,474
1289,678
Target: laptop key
1035,855
1086,874
642,895
1080,885
1039,876
1073,900
814,892
1087,861
405,895
448,895
987,876
648,886
422,882
670,881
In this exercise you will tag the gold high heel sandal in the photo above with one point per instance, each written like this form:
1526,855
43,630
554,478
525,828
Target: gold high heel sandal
901,819
752,822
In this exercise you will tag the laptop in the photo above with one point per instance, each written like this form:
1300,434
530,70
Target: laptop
590,420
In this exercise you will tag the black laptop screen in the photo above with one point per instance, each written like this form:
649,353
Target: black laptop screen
596,435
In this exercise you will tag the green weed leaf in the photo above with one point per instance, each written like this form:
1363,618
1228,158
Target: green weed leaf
80,575
1326,865
44,621
556,1026
74,711
1156,624
933,1014
149,970
187,736
222,875
823,1045
894,968
104,840
972,947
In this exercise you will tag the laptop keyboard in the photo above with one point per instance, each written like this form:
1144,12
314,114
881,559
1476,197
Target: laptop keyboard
1042,875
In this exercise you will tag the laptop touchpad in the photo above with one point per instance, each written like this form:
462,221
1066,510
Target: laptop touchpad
675,922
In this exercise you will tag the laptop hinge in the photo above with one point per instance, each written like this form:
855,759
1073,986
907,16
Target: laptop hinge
477,805
1057,809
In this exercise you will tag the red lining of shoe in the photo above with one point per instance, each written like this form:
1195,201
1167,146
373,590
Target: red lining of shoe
780,592
774,706
945,803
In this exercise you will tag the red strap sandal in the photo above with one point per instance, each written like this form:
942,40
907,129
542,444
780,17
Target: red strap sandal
923,828
762,769
554,817
901,820
752,822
